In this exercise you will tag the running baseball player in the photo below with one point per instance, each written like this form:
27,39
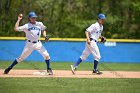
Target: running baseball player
93,33
33,30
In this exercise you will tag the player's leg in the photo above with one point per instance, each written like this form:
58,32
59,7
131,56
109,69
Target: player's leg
46,56
6,71
83,57
26,52
77,63
96,53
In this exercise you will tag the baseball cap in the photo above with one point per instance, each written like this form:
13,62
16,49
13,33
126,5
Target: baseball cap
101,16
32,14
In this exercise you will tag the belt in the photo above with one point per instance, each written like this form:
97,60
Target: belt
93,40
33,41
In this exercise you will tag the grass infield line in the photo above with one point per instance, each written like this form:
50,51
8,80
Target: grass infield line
88,66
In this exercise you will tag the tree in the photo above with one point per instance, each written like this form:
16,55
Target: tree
70,18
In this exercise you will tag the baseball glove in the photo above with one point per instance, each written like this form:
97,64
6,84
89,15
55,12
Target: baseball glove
103,39
47,38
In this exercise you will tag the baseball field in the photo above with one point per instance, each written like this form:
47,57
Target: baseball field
28,77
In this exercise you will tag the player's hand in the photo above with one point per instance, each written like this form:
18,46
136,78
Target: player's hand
47,38
103,39
88,42
20,16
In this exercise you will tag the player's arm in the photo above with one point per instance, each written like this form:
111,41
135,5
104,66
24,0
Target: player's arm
44,33
18,21
87,37
43,29
88,31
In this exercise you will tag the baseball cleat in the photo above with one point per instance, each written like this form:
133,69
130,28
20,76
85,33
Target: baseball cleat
6,71
73,69
97,72
49,71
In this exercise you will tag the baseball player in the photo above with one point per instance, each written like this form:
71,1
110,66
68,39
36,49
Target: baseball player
93,33
33,30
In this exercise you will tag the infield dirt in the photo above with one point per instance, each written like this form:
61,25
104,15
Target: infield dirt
68,74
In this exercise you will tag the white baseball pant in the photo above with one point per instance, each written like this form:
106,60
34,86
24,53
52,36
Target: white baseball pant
92,48
29,47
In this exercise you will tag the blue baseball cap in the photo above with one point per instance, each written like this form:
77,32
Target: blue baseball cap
101,16
32,14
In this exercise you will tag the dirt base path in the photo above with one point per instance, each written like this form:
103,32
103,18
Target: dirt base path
68,74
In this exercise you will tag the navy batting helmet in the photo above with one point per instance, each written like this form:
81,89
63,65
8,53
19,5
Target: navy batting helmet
101,16
32,14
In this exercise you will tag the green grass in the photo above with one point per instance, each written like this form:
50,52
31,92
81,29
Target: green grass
66,66
68,85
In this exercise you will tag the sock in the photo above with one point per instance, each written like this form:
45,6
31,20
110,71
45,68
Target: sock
13,64
78,62
95,64
48,63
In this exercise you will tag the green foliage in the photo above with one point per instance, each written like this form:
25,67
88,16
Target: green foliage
70,18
